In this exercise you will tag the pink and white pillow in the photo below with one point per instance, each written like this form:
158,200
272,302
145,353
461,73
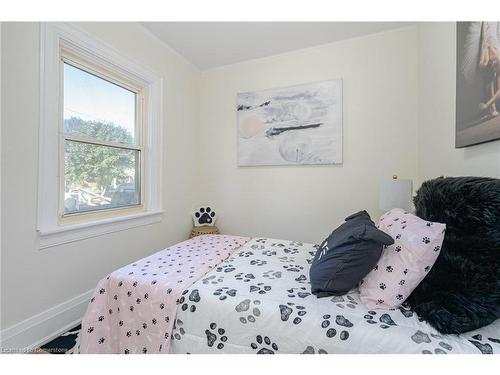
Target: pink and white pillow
404,264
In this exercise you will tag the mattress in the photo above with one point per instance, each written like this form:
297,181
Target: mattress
259,301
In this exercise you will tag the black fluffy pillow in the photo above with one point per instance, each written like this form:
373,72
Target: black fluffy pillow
462,291
347,255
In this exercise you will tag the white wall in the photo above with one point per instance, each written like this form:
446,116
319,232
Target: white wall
33,280
436,111
308,202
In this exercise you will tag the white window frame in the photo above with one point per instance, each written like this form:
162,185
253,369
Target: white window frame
53,227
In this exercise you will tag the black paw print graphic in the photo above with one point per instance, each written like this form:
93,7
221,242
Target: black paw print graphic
389,269
272,275
260,288
406,311
302,279
287,311
426,240
258,262
310,350
244,277
264,345
292,251
332,332
437,248
213,279
341,302
179,331
484,347
286,259
204,216
245,254
382,286
385,319
245,306
293,268
194,296
225,268
397,249
269,253
257,247
224,292
215,334
298,292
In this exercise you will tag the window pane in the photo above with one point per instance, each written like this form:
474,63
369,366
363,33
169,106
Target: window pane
96,108
99,177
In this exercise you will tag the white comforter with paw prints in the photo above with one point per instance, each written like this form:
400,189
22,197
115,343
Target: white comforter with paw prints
259,301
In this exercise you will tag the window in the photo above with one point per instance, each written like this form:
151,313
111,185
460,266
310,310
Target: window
102,113
101,133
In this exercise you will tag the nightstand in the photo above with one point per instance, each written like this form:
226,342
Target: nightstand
199,231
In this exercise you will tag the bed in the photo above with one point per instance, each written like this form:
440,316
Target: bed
259,301
229,294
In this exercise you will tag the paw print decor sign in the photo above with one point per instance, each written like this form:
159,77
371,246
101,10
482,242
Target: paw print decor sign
204,216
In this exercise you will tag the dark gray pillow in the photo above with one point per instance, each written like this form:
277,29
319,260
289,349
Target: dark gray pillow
347,255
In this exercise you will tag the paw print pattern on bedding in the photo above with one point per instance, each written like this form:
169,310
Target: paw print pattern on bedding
293,268
190,303
311,350
272,275
273,304
343,301
245,277
249,310
213,279
485,343
342,325
384,319
264,345
432,343
260,288
292,312
178,331
215,336
134,307
301,292
224,293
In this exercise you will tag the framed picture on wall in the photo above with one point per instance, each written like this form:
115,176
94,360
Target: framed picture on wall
291,126
478,83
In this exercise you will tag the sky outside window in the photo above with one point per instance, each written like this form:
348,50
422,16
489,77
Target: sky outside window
94,99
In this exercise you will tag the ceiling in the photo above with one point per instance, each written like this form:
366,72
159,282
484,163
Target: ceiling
212,44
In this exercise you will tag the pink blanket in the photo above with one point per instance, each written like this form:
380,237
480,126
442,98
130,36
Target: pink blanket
133,309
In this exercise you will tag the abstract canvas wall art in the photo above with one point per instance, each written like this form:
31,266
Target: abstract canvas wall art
291,126
478,83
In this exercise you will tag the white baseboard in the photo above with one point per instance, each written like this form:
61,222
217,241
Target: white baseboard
43,327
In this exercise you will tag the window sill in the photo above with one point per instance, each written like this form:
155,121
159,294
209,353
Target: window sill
75,232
